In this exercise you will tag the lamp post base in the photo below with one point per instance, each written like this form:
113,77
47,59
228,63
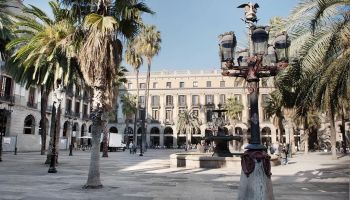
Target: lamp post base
255,147
255,186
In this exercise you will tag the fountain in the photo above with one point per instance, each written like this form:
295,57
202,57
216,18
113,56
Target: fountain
219,136
220,158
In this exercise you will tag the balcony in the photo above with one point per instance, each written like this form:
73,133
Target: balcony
155,121
169,105
86,116
68,113
182,104
168,122
7,98
196,105
31,104
69,92
155,105
76,114
210,105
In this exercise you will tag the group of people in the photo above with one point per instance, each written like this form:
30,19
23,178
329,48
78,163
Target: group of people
132,148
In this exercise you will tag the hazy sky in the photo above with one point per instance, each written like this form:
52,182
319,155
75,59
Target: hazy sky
189,28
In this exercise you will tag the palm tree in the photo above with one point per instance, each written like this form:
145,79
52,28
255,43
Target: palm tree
188,123
129,109
320,30
134,59
6,27
39,56
148,45
99,55
234,108
274,109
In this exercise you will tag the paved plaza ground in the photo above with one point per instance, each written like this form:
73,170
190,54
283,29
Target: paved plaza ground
131,177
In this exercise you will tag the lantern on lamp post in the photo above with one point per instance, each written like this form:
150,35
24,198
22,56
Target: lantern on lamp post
227,47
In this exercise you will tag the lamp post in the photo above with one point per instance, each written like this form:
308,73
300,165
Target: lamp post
4,112
263,60
143,128
58,94
71,138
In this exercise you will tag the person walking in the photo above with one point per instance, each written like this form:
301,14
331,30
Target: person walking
284,154
131,148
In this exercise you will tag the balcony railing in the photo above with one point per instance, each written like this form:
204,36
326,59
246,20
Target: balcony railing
155,105
8,98
169,105
196,105
169,122
155,121
68,113
182,104
76,114
31,104
86,116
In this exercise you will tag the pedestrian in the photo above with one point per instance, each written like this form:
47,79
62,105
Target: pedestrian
284,154
131,148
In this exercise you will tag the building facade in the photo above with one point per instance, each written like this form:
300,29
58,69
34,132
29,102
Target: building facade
200,91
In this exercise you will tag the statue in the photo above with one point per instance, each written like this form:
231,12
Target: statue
250,12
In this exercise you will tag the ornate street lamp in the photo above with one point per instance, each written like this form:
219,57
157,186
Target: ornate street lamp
282,44
227,46
58,95
260,62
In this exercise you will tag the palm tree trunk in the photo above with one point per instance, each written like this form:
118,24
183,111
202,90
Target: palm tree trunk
105,142
343,130
43,107
53,119
306,137
94,180
333,133
137,106
186,146
147,95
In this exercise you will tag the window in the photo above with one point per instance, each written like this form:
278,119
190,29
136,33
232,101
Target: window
195,83
155,114
31,97
209,99
265,100
208,83
222,83
142,86
182,84
195,100
85,111
77,107
68,106
155,100
168,116
129,86
222,99
6,86
142,101
155,85
182,100
238,97
195,112
169,100
265,116
168,84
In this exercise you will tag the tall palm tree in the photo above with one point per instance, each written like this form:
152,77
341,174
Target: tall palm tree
274,109
188,123
99,55
320,30
148,45
39,53
234,108
134,59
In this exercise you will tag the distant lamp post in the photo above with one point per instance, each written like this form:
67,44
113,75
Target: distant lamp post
58,95
4,114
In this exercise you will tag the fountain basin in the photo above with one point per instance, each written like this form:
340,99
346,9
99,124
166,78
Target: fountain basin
206,160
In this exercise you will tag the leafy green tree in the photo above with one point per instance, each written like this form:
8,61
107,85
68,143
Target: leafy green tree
39,53
188,123
6,27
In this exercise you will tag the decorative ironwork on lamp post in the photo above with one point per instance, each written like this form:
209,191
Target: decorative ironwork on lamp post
260,60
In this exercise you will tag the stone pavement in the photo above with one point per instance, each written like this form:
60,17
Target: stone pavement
131,177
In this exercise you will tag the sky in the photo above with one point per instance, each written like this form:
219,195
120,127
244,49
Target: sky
190,28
